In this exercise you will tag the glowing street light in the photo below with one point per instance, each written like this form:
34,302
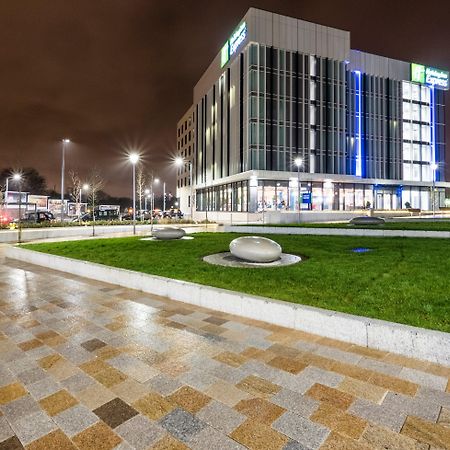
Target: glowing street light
134,159
298,161
17,177
180,162
65,142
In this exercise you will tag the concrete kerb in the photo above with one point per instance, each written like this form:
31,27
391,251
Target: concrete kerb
336,231
430,345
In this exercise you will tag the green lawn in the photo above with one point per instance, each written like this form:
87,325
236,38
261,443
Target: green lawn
401,280
424,225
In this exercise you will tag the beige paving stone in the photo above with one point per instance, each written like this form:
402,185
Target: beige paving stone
63,369
444,418
11,392
340,422
94,367
291,365
337,442
55,440
330,395
110,377
29,345
95,396
58,402
257,436
230,358
394,384
260,410
258,354
427,432
383,438
258,387
154,406
130,390
364,390
226,393
97,437
169,443
49,361
189,399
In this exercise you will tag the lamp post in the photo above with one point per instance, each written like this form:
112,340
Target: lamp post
63,166
179,162
434,167
6,192
147,194
18,178
299,162
134,158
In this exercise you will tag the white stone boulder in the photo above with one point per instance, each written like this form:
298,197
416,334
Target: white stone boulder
255,249
168,233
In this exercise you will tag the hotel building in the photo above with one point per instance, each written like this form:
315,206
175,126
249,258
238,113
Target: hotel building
369,129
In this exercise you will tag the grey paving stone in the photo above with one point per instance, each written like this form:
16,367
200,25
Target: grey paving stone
6,376
33,427
389,417
5,430
139,432
32,375
221,416
230,374
301,430
78,382
305,346
380,366
40,352
74,353
433,396
22,337
293,445
260,369
209,438
76,419
295,402
412,406
132,367
182,425
19,408
338,355
20,364
312,375
43,388
198,379
423,378
163,384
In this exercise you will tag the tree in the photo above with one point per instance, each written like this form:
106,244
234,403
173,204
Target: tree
96,184
32,181
141,182
75,191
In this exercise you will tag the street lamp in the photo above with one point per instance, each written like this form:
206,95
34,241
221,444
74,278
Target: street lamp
434,168
134,158
180,162
298,162
17,177
63,166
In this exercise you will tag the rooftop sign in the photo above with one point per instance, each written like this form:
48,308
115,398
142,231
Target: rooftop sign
233,43
430,76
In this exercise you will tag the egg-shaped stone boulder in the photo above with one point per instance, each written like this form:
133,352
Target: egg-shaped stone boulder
168,233
255,249
367,220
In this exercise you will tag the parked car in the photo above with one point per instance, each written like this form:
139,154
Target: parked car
37,217
102,214
173,213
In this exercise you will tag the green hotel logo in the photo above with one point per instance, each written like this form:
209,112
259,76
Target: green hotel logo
224,54
430,76
417,73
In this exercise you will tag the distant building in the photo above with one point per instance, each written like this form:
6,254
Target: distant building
369,129
185,149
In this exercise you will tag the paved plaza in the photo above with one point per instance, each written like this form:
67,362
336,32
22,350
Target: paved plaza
87,365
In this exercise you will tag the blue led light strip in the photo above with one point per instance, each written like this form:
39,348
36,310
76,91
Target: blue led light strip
433,126
358,117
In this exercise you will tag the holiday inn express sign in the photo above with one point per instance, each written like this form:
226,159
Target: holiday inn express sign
233,43
430,76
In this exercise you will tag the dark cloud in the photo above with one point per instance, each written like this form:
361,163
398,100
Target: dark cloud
112,74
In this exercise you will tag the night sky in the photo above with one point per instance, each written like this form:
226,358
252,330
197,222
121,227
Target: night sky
114,75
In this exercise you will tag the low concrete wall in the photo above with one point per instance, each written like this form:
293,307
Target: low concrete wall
335,231
34,234
409,341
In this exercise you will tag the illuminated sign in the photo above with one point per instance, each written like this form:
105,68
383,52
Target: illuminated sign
430,76
224,54
231,46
